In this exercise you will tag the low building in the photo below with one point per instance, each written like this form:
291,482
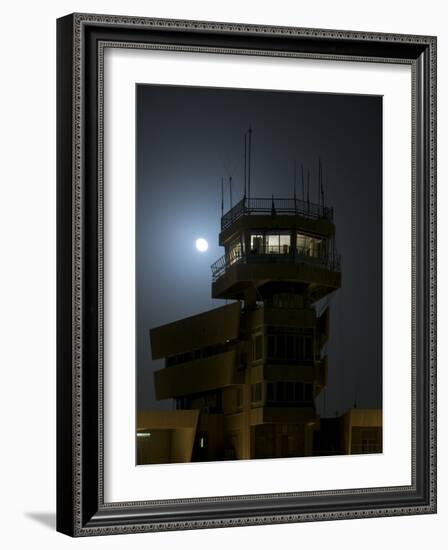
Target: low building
166,436
362,431
358,431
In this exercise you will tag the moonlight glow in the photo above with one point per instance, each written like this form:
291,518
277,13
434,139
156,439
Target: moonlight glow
201,245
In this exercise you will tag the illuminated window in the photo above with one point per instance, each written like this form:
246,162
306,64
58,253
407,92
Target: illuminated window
235,251
278,243
256,244
309,246
202,440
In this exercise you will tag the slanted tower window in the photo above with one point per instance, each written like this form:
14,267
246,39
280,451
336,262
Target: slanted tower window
256,244
309,246
235,251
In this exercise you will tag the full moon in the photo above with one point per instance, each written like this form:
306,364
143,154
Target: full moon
201,245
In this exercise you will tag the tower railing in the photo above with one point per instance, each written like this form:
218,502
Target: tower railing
277,254
292,207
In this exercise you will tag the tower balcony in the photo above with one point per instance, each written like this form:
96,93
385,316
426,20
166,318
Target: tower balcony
283,207
276,255
232,274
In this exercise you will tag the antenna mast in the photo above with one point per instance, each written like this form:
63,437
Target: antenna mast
245,163
321,185
303,185
295,180
318,184
230,189
249,161
308,192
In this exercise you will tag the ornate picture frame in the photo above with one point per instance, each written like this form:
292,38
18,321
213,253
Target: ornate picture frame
81,506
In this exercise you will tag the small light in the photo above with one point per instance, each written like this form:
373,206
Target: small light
201,443
143,434
201,245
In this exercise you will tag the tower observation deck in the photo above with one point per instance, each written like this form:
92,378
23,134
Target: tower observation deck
273,243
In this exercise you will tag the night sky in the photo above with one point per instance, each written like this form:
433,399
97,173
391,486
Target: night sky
187,139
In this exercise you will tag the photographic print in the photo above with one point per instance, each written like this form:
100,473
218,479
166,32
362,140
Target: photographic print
246,274
258,274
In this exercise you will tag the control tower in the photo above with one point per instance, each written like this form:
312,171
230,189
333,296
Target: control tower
254,367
